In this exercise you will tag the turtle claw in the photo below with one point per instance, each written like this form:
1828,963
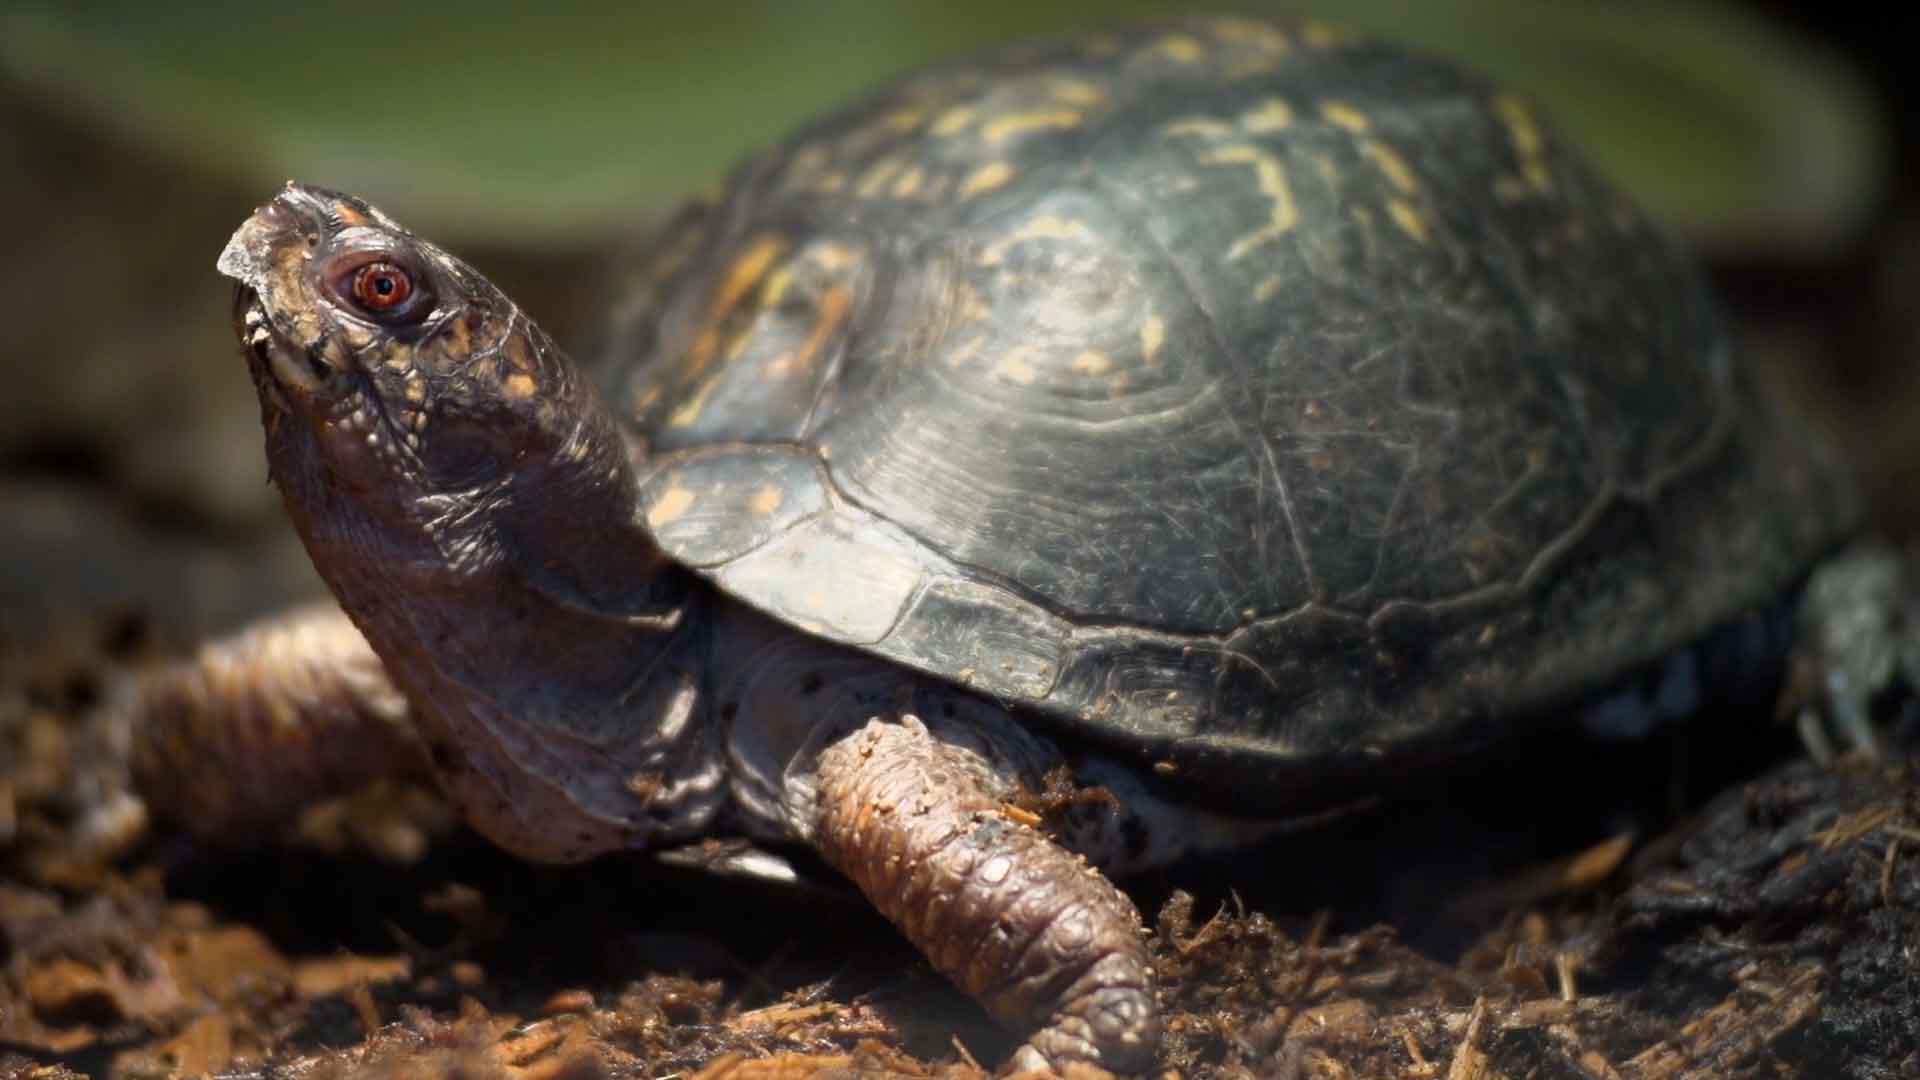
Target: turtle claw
1858,638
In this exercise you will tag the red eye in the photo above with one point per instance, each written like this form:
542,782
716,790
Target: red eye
381,286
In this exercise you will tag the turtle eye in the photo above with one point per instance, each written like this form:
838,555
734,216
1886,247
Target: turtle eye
384,290
380,287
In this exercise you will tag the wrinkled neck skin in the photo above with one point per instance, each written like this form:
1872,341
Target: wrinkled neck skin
553,654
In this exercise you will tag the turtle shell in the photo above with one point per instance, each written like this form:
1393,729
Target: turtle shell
1267,402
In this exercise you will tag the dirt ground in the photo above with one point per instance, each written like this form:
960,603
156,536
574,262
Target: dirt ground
1769,932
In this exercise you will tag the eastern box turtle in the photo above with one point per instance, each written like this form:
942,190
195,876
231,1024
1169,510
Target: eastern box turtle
1240,417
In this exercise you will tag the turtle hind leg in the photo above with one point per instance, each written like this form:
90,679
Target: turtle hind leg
1037,936
1858,636
257,726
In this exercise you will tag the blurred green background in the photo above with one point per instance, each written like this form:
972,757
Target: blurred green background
133,137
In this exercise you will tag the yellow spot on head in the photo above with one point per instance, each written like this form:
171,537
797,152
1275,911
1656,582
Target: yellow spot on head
672,503
1409,219
988,177
520,386
953,121
646,399
519,353
400,357
1091,362
1391,165
1153,334
1082,94
416,389
1268,288
349,214
1001,128
765,501
1272,115
1342,115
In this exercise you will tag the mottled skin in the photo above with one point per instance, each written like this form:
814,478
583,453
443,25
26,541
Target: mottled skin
1239,418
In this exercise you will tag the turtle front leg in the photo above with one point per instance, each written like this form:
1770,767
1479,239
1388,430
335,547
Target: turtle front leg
1032,932
259,725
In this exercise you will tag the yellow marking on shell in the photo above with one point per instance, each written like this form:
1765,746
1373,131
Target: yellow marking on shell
765,501
777,285
737,344
1092,362
1271,115
808,160
520,386
689,411
1082,94
1237,31
1271,175
1321,35
988,177
829,183
907,184
672,503
1180,48
903,120
1528,145
954,121
1342,115
876,177
964,351
1409,219
742,275
1268,288
1153,335
834,307
1002,128
1044,227
1203,126
834,258
971,306
1391,165
1016,367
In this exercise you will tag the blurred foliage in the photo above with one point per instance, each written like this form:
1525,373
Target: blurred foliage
546,125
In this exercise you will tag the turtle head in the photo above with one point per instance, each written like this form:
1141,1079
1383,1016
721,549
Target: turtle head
470,501
411,406
411,373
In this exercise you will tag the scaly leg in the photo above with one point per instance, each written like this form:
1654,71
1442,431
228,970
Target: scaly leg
259,725
1037,936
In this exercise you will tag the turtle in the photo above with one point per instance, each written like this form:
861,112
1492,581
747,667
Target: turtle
1228,418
